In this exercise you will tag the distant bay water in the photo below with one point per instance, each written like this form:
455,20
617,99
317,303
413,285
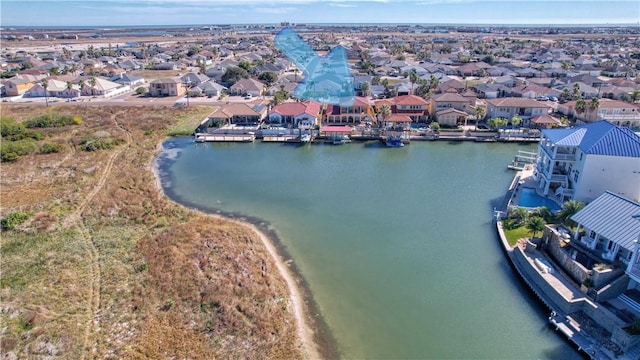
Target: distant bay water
396,244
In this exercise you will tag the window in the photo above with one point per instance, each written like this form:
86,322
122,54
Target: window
592,234
576,176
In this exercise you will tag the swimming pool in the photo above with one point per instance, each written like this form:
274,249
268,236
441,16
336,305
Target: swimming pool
530,199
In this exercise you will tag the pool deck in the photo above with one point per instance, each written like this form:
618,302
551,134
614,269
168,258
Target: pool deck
526,180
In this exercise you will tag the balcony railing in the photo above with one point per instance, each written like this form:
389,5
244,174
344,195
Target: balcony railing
588,242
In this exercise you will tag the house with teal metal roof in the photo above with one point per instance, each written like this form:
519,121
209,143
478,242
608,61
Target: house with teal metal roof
583,162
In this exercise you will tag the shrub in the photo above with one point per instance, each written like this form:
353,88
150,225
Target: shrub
52,120
141,90
27,134
12,150
14,219
93,144
9,127
49,148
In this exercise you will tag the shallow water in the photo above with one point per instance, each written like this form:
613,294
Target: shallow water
396,244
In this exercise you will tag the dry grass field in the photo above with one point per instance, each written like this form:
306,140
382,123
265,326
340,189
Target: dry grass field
106,267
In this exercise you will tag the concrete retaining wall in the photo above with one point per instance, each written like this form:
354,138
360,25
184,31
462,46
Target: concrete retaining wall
548,291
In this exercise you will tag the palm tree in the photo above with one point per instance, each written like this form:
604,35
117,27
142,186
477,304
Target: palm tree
479,114
433,81
634,96
365,88
576,91
519,214
545,213
413,78
581,105
516,121
385,111
45,85
594,104
535,224
569,208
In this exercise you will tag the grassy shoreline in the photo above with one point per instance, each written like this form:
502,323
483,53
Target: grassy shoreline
134,275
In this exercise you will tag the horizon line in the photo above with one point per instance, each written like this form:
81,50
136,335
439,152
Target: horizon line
605,24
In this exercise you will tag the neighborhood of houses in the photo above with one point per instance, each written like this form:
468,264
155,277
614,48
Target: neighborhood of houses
578,94
401,77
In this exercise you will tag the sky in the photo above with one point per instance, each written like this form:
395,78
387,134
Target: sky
212,12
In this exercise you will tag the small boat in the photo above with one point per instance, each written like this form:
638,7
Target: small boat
394,141
305,138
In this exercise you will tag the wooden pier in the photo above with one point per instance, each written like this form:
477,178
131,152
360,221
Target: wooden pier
203,137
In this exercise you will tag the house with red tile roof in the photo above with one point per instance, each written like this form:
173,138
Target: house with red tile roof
301,115
360,111
413,106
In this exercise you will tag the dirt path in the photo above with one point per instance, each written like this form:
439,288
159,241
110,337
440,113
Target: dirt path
90,338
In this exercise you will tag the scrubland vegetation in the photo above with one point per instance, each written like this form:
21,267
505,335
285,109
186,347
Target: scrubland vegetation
97,263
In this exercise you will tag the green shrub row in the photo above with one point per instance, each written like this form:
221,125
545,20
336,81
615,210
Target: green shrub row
13,150
52,120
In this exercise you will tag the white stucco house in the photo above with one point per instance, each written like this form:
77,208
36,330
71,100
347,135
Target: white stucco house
583,162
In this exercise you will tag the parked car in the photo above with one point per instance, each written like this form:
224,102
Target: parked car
542,98
248,96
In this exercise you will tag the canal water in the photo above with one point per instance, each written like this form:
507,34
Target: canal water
395,244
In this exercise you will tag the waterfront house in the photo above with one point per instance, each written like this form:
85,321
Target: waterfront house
415,107
509,107
582,162
447,101
451,117
301,115
618,112
167,87
360,111
609,226
238,113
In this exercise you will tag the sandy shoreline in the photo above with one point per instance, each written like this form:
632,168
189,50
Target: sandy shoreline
307,336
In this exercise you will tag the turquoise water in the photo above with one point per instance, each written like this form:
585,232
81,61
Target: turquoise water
395,244
530,199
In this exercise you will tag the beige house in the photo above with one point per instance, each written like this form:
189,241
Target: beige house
523,108
167,87
451,117
617,112
446,101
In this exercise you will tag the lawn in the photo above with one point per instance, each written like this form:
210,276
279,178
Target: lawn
518,233
189,120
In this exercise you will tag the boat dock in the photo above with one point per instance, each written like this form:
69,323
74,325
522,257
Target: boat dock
522,160
204,137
